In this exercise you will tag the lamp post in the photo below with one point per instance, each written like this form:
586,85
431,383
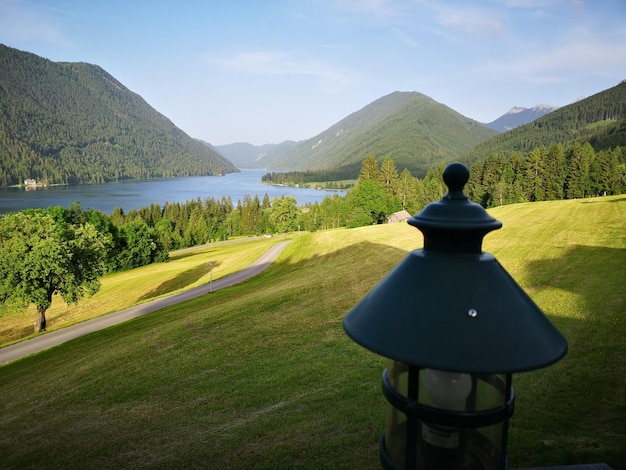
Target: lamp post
455,326
211,276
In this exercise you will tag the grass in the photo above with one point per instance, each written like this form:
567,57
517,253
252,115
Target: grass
261,375
186,269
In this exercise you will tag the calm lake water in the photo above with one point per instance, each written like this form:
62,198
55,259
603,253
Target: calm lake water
136,194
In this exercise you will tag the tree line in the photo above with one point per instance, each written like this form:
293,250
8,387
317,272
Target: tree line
64,251
548,173
333,178
599,119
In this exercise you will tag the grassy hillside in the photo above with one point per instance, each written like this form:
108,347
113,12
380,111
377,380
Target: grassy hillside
413,129
261,375
186,269
64,122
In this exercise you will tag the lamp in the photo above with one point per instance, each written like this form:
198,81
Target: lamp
455,327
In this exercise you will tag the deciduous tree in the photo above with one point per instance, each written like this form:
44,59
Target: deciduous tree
41,257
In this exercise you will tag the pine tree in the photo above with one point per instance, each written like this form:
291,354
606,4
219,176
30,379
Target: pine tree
555,172
389,176
577,172
434,187
369,170
408,192
491,180
534,173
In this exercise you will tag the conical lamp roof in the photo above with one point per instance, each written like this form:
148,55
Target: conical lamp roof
450,306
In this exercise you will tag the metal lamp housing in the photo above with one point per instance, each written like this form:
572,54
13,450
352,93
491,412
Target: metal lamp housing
453,323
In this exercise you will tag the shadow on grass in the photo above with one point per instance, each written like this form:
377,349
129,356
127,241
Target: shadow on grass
591,378
18,333
621,199
182,280
193,251
583,270
569,388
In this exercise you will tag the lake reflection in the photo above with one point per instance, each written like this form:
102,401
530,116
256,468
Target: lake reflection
136,194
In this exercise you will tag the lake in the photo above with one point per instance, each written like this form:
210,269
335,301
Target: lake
139,193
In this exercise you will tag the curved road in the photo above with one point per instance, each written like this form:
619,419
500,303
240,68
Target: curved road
54,338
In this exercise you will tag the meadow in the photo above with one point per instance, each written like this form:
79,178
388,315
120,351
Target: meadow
261,375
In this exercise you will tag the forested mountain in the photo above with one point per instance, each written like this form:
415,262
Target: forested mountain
518,116
413,129
599,119
245,155
75,123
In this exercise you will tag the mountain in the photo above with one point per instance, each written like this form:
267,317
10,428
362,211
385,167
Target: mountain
245,155
64,122
599,119
413,129
518,116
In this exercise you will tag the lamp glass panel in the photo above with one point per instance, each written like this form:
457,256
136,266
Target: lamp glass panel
444,446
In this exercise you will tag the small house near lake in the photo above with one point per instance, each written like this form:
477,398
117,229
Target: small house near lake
31,183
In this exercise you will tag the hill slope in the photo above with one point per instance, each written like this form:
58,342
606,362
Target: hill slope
599,119
251,372
411,128
75,123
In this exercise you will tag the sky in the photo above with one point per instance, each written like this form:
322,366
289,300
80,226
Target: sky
266,71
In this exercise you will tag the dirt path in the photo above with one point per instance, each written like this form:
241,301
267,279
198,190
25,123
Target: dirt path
54,338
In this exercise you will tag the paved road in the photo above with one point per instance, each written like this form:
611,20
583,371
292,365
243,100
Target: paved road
54,338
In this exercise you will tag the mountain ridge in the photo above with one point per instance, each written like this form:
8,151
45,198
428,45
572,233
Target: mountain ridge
410,127
518,116
599,119
246,155
73,122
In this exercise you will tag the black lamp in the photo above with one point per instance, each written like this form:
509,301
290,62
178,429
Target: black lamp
455,326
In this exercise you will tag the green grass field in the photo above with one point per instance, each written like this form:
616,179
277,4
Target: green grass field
261,375
187,269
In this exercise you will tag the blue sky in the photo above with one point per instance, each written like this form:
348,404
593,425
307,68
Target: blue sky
267,71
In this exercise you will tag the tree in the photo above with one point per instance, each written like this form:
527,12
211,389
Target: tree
408,192
369,170
555,172
369,204
41,257
251,215
492,179
285,214
534,173
333,211
389,176
139,245
579,162
434,187
311,218
610,171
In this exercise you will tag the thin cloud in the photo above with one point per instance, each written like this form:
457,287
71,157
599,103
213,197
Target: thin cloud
281,63
475,22
21,22
579,53
380,9
547,8
405,38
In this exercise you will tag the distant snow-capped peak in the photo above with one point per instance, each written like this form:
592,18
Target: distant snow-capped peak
516,109
518,116
539,107
544,107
